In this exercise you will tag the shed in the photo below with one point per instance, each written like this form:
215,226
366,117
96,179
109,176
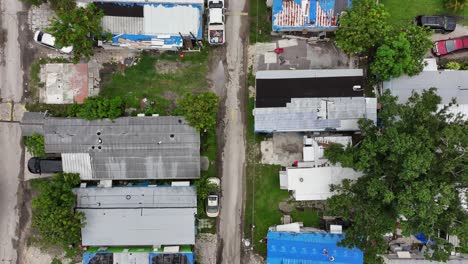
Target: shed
309,247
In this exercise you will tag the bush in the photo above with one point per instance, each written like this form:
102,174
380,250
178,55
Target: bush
35,145
62,5
200,110
53,216
98,108
453,65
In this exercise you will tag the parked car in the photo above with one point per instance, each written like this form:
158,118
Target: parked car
47,40
216,26
443,24
44,165
212,202
444,47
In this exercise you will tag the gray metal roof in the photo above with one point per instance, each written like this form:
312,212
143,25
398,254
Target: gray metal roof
138,227
449,84
137,197
316,114
32,122
125,148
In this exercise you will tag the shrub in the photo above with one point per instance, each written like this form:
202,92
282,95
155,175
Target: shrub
35,145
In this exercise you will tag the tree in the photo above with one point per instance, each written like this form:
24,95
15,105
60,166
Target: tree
35,145
402,53
455,5
53,216
363,27
200,110
414,166
76,27
98,108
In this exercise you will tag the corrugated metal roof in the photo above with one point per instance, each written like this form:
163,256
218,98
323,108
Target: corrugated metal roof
138,227
137,197
449,84
128,25
311,247
316,114
78,163
127,147
32,122
313,73
161,19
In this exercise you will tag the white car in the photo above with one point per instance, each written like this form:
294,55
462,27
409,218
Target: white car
216,27
212,203
47,40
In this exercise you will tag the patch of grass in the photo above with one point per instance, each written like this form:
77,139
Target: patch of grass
52,110
402,13
267,195
308,216
260,21
161,89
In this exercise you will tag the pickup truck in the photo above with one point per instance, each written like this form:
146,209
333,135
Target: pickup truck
216,26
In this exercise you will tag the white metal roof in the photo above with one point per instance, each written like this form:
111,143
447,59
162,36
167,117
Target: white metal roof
314,73
316,114
139,227
449,84
172,20
313,184
77,163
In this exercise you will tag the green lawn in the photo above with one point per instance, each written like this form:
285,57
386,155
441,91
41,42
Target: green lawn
263,200
402,12
144,81
260,21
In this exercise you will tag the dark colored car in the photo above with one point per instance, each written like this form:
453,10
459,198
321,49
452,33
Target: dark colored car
40,165
443,24
446,46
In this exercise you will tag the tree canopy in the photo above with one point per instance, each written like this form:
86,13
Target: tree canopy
363,27
76,28
401,53
200,110
415,167
35,145
53,216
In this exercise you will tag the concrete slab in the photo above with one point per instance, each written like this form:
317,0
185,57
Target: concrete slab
5,111
283,149
18,111
270,57
301,54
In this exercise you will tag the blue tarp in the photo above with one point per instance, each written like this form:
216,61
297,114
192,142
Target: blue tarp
293,16
308,248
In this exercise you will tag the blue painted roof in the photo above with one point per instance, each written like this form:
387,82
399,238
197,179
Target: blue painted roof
308,248
294,16
87,256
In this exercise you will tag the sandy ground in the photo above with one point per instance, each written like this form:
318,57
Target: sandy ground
10,169
233,155
205,248
11,73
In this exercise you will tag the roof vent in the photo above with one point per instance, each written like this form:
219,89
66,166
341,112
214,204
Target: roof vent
100,140
301,179
128,197
98,133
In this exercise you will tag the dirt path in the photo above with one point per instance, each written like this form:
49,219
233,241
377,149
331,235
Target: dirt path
233,157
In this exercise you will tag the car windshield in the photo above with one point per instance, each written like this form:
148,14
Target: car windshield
39,36
450,45
215,5
212,209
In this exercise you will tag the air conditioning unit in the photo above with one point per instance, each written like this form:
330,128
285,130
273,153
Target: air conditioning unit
357,88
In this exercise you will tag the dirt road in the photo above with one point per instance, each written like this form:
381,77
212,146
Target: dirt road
11,73
10,158
233,157
11,89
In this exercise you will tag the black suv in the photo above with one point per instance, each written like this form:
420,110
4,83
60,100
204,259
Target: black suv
442,24
40,165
